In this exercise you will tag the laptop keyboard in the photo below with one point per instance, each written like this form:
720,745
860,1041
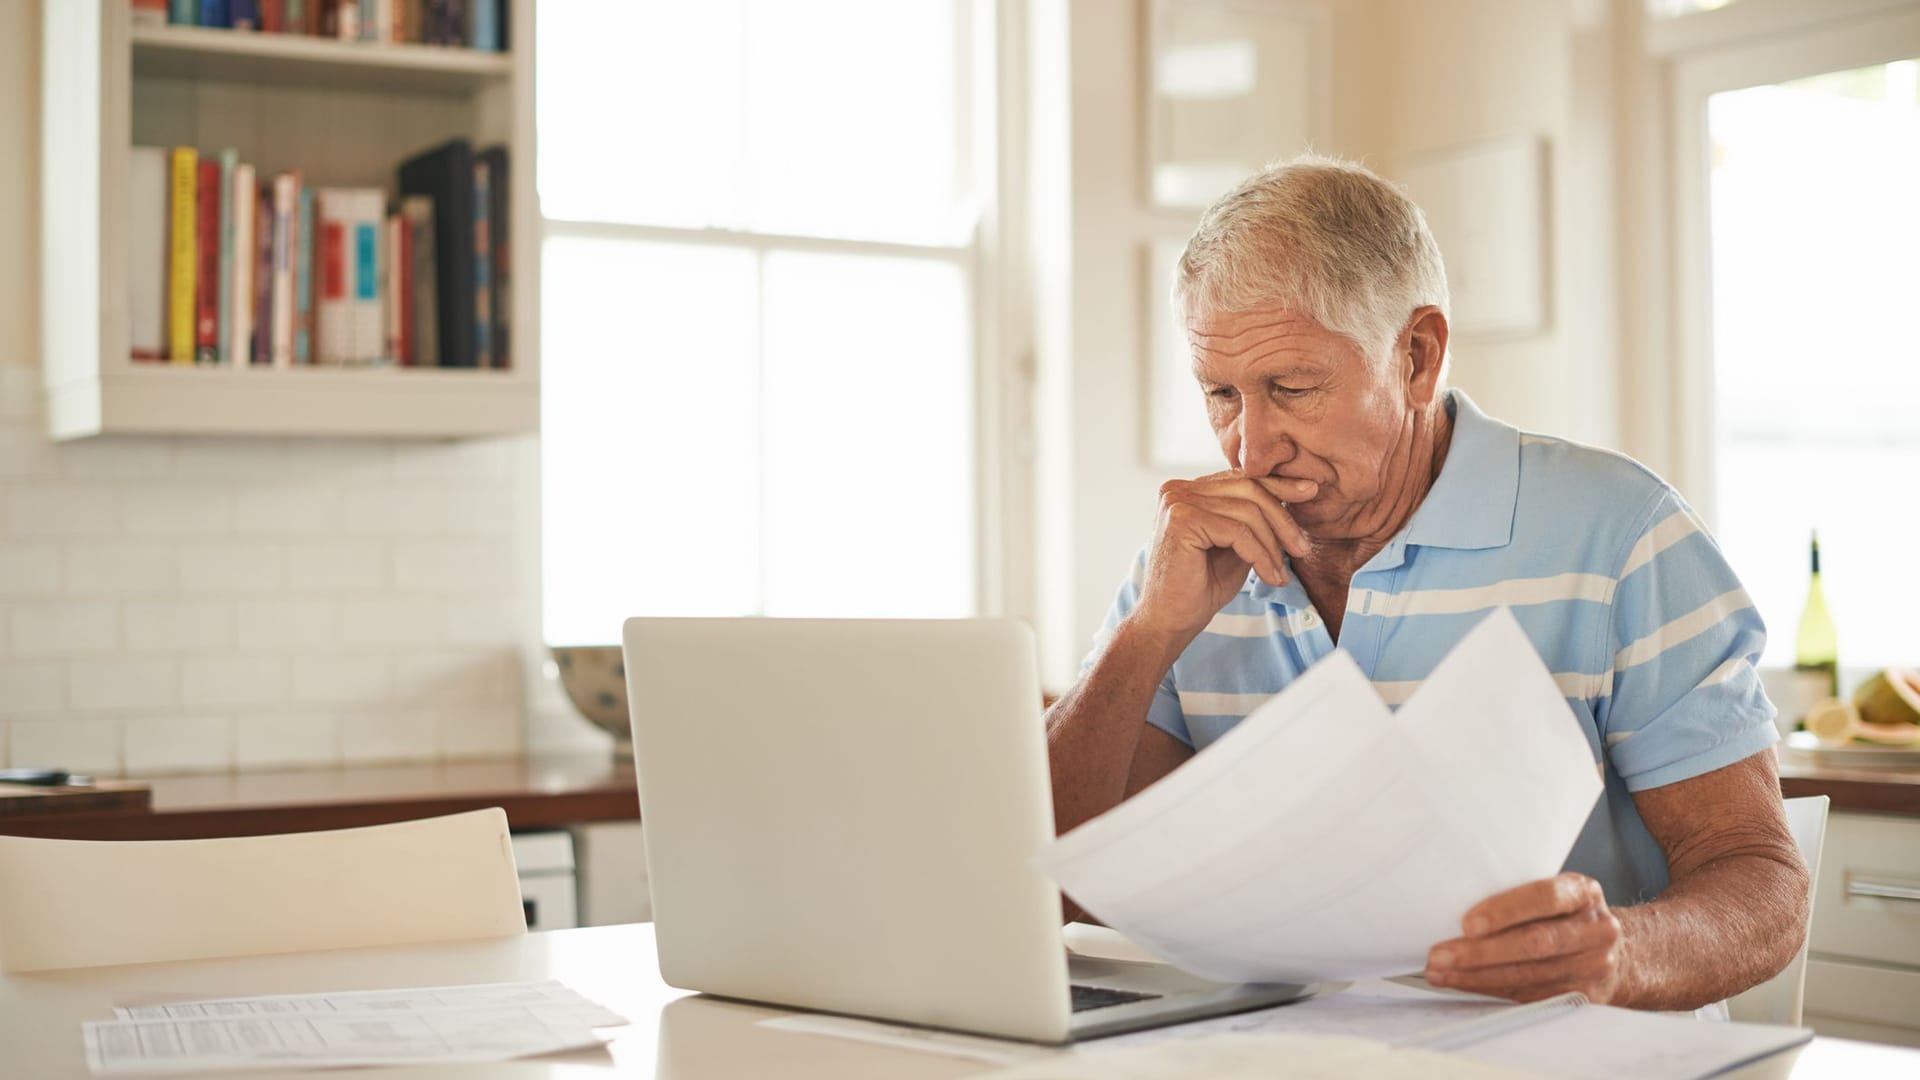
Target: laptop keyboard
1100,997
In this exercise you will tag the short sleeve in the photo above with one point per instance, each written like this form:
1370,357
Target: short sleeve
1685,698
1165,712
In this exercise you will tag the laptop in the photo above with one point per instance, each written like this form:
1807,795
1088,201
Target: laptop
842,815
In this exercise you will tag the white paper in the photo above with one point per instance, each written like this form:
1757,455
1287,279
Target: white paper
1327,838
494,1022
1260,1057
1600,1042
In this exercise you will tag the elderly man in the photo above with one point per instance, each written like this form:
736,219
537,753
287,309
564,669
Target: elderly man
1369,507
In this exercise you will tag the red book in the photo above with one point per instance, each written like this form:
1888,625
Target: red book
273,16
403,272
206,284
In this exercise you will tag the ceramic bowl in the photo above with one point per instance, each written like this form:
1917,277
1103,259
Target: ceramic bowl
595,679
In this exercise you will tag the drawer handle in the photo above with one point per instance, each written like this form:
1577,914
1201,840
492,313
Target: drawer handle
1881,890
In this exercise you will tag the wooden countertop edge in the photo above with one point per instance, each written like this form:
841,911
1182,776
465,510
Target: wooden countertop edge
531,810
1857,795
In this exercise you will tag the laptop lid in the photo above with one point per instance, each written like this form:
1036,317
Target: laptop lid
842,815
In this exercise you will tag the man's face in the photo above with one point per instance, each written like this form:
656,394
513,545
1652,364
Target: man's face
1288,397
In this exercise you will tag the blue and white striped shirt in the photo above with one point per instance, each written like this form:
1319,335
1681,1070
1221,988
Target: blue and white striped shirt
1609,571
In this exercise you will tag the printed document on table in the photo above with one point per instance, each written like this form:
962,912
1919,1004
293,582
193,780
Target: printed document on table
1326,837
494,1022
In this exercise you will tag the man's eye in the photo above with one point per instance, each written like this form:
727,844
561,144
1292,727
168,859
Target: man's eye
1220,393
1292,391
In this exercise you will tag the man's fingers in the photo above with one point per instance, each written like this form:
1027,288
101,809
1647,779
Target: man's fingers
1288,490
1273,567
1531,982
1584,931
1545,899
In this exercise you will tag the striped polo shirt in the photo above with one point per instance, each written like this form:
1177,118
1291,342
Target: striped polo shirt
1611,574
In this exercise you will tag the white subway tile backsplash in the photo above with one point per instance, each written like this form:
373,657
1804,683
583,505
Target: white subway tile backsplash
82,744
286,624
342,678
473,566
182,510
64,627
481,731
393,621
232,458
96,685
61,510
215,682
185,604
156,745
26,452
117,458
119,568
178,626
29,568
415,510
286,740
465,676
32,686
287,510
368,736
232,567
335,566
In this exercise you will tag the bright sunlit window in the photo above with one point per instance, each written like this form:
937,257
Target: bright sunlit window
757,310
1815,280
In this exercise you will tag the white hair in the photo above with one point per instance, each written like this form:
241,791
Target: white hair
1320,237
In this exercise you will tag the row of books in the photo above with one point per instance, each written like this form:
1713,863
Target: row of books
230,268
477,24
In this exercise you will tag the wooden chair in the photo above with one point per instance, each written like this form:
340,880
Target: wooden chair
1778,1000
82,903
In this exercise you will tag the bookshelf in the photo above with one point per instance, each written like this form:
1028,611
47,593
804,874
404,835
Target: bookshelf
343,114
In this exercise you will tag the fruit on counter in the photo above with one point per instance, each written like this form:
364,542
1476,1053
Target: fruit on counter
1886,709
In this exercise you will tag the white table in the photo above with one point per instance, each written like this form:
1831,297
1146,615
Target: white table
673,1034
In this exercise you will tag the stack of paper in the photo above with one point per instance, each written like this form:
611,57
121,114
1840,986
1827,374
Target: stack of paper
1326,837
493,1022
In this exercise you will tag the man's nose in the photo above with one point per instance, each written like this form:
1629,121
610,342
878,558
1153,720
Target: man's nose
1264,442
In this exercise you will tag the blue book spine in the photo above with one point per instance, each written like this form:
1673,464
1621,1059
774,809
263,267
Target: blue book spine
214,13
486,25
228,159
303,282
183,12
482,255
243,14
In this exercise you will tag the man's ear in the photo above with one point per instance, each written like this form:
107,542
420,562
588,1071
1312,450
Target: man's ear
1424,344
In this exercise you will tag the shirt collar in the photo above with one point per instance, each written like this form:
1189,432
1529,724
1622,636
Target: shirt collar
1470,506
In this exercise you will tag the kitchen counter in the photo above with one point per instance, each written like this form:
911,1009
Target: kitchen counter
1875,790
536,793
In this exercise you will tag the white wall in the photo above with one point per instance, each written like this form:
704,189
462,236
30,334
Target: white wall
202,603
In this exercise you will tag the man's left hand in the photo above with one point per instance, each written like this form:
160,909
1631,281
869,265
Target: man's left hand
1541,939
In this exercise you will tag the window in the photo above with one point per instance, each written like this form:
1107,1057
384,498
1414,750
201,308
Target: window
757,312
1814,224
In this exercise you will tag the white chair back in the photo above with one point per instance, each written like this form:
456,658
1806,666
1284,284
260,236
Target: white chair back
82,903
1778,1000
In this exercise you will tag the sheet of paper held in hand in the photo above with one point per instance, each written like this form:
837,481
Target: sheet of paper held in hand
493,1022
1325,837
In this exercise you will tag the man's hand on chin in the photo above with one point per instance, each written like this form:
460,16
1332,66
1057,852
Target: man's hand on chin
1541,939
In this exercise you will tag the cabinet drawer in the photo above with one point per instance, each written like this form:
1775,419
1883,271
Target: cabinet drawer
1861,993
1867,901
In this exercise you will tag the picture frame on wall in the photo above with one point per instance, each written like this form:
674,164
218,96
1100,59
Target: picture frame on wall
1230,86
1486,203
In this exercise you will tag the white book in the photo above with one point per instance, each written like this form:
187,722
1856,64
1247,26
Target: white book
245,244
286,202
333,317
369,232
147,252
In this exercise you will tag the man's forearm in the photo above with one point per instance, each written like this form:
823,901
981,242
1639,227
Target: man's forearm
1726,926
1093,731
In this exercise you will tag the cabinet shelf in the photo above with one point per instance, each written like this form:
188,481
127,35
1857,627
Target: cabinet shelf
385,402
201,53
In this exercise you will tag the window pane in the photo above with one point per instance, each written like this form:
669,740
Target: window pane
836,118
649,435
642,110
869,508
853,119
1814,228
